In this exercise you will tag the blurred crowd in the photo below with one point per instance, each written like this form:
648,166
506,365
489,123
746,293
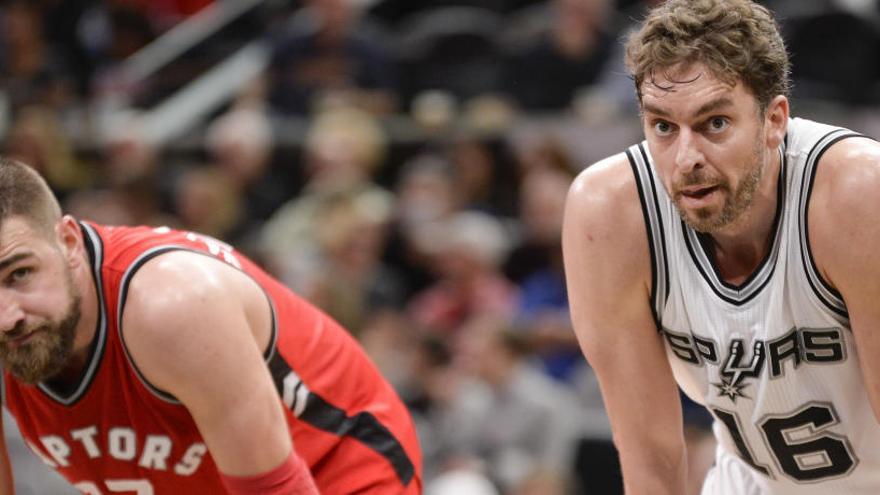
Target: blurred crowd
404,166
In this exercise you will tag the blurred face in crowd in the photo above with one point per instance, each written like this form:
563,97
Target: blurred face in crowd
21,25
337,16
39,303
425,193
542,203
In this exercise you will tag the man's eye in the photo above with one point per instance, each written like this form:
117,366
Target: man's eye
661,127
717,124
19,274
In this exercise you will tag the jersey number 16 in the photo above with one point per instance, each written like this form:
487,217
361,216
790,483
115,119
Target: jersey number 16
799,442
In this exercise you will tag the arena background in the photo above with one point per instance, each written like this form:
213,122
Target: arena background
403,164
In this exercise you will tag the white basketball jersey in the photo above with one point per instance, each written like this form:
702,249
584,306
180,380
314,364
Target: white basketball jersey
774,359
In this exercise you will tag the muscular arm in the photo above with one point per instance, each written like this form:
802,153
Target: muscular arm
845,239
607,265
189,324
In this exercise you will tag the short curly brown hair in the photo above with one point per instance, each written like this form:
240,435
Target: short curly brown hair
737,40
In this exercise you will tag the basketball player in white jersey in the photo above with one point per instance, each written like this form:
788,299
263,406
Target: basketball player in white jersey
735,252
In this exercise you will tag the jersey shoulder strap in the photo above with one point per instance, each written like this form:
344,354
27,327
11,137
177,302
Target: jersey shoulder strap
650,196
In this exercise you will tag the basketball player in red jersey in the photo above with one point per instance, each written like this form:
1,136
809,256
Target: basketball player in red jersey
140,360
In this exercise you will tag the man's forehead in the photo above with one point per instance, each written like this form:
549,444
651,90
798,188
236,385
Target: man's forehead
689,78
14,231
686,91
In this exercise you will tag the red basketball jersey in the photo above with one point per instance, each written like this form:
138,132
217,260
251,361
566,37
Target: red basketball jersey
114,432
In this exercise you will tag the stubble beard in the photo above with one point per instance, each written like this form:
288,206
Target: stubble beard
49,351
736,203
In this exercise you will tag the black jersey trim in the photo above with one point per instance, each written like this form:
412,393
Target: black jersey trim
660,229
761,276
647,191
826,294
642,200
95,251
313,409
268,354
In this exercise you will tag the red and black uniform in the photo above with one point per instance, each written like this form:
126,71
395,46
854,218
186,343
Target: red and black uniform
114,432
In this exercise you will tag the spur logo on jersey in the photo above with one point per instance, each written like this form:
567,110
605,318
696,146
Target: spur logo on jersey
797,347
735,369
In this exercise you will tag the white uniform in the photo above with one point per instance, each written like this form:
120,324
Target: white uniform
774,359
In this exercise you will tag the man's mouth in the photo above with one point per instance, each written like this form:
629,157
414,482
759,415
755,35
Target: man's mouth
21,339
698,192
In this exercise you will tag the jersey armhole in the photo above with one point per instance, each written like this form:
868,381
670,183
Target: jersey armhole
823,290
646,186
138,263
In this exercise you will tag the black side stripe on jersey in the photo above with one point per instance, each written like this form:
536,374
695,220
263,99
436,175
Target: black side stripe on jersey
647,190
752,286
68,397
664,272
123,296
363,426
823,290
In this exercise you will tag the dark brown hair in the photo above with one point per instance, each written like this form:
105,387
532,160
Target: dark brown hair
737,40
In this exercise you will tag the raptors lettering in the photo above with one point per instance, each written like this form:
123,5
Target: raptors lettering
120,443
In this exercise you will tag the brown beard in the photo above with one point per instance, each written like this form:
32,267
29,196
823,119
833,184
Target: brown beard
48,352
735,205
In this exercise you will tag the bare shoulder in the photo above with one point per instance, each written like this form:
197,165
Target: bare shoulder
844,202
183,309
603,212
846,185
850,165
175,286
608,270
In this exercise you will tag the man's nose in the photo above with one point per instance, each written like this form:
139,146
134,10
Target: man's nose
688,155
11,314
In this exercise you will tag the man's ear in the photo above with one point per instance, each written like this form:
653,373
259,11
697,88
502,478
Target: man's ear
70,240
776,121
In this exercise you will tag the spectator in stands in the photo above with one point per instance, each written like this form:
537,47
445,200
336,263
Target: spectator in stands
129,154
342,149
324,52
438,399
240,144
351,282
529,424
467,251
425,197
130,187
207,202
542,313
543,168
37,137
569,54
31,72
480,180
